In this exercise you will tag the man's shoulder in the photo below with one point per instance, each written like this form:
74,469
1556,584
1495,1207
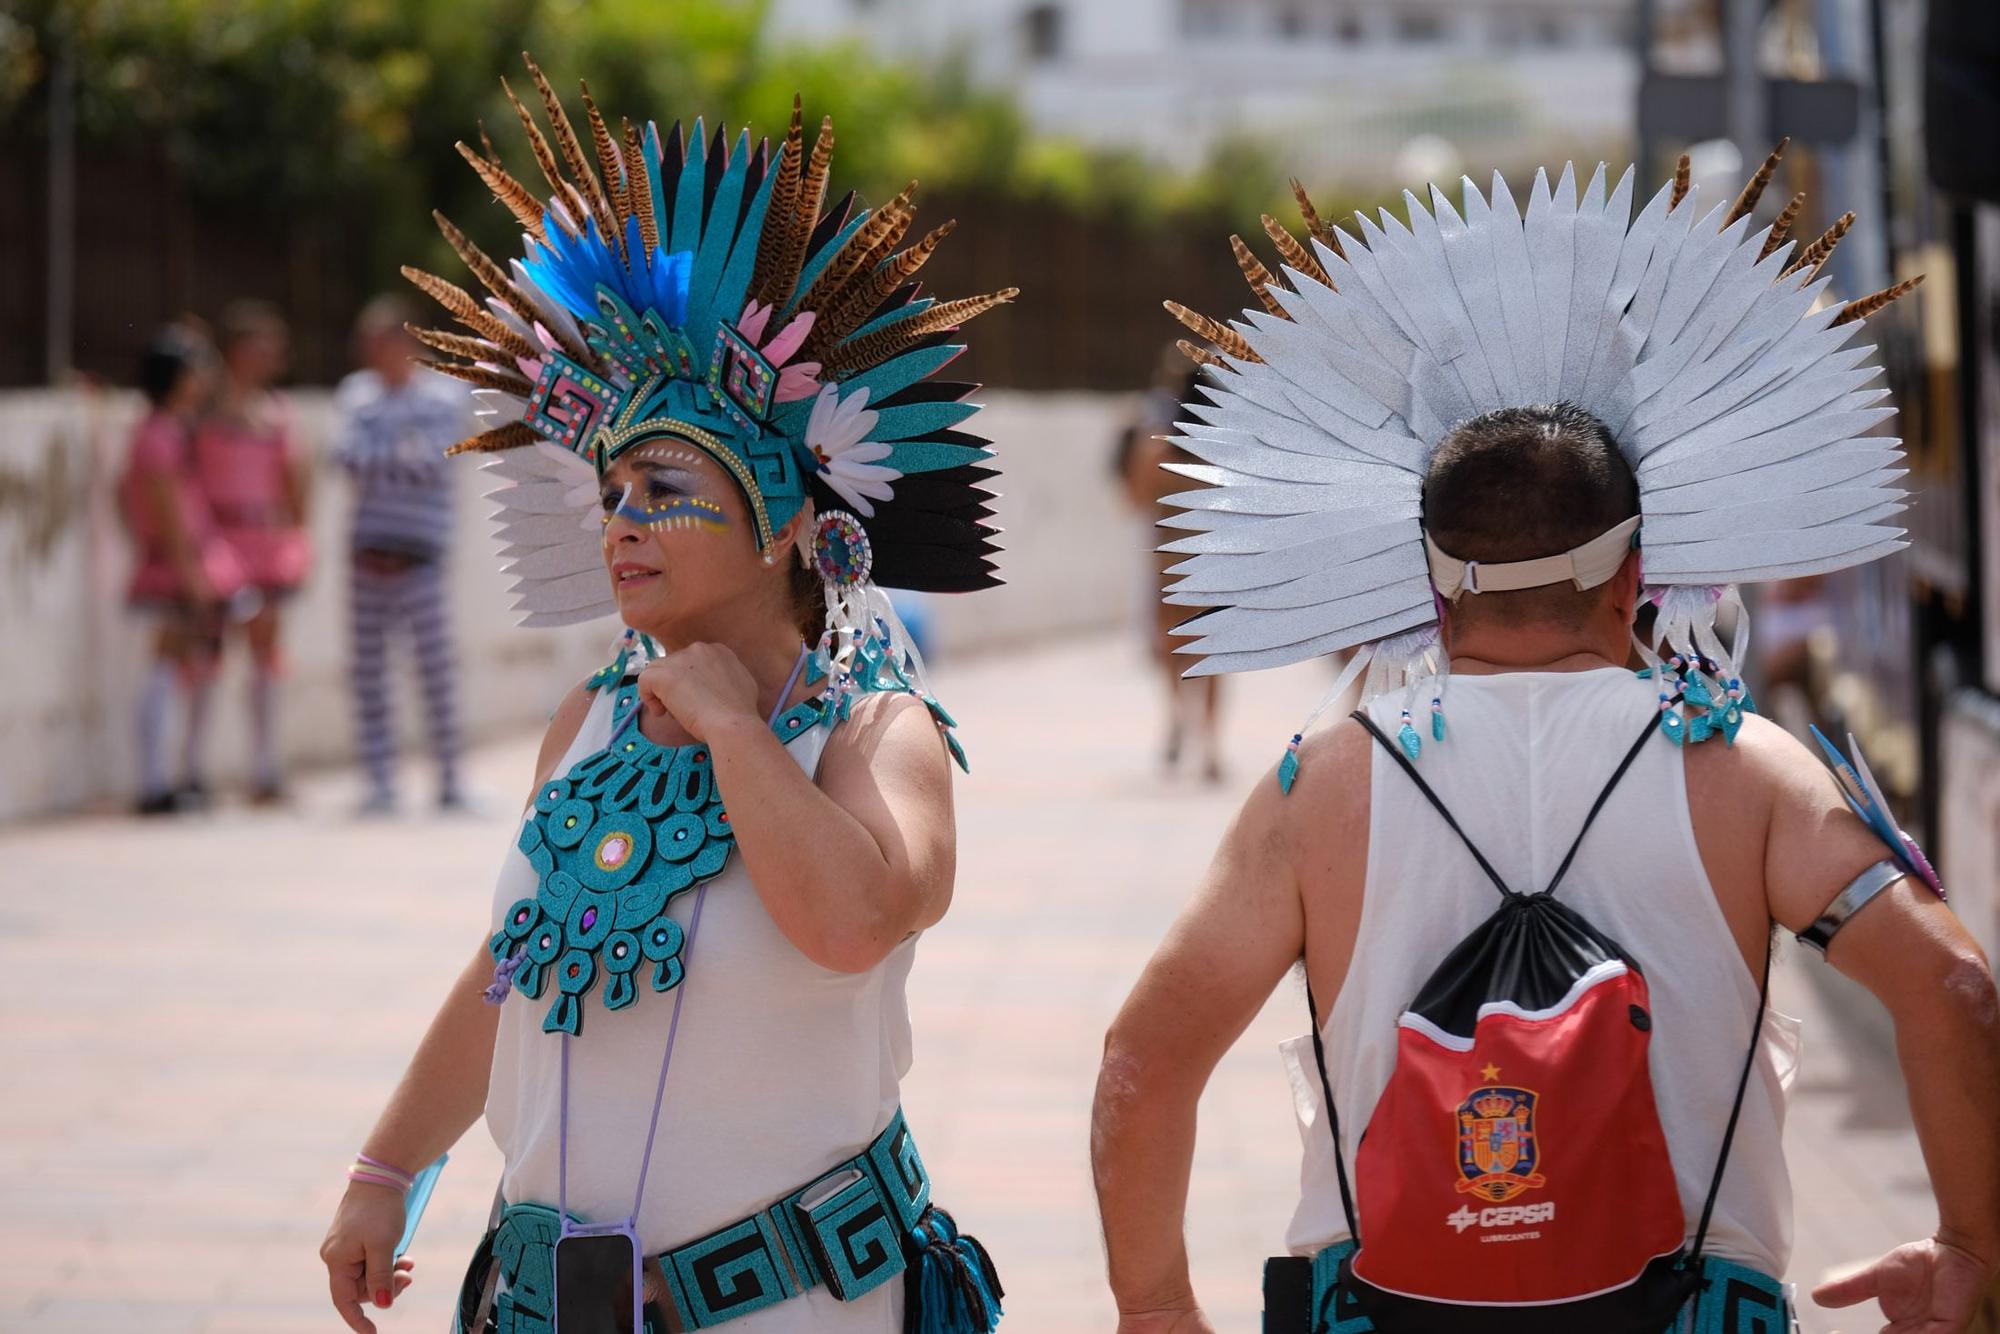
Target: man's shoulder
1763,759
1327,804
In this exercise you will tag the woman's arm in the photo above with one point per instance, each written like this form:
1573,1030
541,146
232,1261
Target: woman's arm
850,866
159,495
441,1094
847,866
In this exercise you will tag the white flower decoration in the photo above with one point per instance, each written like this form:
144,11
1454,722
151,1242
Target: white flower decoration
837,434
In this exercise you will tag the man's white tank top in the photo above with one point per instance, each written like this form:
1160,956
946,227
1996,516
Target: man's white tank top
782,1070
1525,754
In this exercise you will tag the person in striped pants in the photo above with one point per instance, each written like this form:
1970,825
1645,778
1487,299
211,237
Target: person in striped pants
395,421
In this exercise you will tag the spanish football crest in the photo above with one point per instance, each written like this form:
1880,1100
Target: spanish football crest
1498,1148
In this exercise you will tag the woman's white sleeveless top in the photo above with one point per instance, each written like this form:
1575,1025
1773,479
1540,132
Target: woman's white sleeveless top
1524,756
782,1070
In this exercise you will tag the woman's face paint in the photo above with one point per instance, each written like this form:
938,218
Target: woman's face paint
677,541
667,490
673,511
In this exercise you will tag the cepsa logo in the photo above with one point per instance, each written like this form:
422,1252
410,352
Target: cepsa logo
1503,1215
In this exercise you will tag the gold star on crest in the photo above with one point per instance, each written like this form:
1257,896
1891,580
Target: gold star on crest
1490,1073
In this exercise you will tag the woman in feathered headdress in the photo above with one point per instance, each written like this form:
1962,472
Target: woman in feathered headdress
716,417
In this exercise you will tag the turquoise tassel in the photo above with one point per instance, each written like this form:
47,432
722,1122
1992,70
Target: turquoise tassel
1437,720
1699,728
1670,723
1696,692
1288,768
950,1286
1732,722
1408,739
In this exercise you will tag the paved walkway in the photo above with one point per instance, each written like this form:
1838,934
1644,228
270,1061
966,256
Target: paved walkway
202,1017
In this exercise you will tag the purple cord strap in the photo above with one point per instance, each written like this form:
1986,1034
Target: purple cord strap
673,1023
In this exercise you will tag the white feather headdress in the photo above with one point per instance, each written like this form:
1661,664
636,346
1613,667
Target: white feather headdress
1743,410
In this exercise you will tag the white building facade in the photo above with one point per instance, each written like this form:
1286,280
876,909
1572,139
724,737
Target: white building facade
1339,88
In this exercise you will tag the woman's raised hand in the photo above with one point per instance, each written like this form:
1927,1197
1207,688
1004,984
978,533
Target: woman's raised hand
359,1252
700,686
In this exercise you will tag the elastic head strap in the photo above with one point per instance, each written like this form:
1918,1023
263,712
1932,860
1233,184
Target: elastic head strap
1586,566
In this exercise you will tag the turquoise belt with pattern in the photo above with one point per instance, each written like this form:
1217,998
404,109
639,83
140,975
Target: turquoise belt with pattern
850,1230
1303,1296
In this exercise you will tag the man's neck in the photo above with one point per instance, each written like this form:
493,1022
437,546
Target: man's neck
1489,649
1468,664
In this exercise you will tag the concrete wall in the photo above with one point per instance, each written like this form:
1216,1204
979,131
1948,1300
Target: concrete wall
71,656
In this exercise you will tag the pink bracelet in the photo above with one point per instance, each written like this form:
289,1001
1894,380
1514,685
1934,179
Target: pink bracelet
376,1164
373,1179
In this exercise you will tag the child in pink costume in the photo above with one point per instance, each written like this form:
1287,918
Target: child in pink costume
185,574
246,467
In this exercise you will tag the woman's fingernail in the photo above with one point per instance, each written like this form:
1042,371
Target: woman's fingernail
381,1296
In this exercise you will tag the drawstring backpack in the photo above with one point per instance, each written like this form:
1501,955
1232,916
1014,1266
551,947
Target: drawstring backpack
1514,1177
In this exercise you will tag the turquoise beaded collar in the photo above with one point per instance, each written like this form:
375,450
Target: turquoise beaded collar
613,841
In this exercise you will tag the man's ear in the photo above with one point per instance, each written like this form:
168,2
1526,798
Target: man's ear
1626,584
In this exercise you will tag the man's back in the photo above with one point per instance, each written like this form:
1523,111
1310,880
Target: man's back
1526,755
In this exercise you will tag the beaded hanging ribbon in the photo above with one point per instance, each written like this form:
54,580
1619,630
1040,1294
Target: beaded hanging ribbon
613,842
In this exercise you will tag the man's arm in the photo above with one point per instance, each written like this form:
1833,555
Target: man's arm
1285,859
1909,949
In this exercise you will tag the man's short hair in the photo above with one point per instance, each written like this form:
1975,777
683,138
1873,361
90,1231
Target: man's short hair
1522,483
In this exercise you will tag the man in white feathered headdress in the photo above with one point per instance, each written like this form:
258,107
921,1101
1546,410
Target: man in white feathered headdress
1468,447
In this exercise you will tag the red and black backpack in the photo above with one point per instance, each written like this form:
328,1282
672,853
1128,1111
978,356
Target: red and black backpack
1514,1175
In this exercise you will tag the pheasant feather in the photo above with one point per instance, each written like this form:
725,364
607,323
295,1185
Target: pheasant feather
527,210
467,311
873,349
514,435
1815,256
1781,227
1221,335
481,377
1868,305
1256,275
1294,251
1754,189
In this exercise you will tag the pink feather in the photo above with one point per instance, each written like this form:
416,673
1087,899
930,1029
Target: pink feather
780,349
798,382
751,326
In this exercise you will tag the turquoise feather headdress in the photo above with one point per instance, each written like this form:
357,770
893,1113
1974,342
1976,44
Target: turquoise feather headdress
692,290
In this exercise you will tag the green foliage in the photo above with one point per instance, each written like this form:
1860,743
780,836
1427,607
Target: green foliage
345,111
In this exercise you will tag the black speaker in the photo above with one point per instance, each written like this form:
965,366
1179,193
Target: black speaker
1962,97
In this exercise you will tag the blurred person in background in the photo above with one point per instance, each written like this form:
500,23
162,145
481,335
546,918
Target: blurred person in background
752,799
1143,452
184,574
395,420
246,466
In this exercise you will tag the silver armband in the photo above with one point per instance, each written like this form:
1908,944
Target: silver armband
1859,893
